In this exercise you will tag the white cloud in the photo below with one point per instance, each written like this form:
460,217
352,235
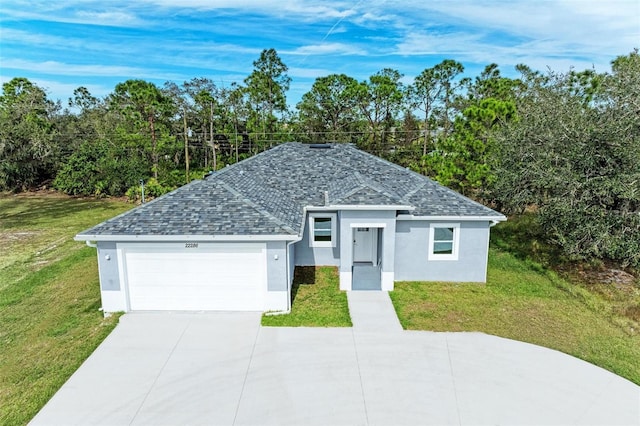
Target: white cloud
69,43
436,44
57,90
555,34
111,18
320,10
87,71
60,68
538,54
308,73
327,49
86,13
179,40
596,25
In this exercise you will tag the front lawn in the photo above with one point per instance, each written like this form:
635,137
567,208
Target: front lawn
317,300
523,301
49,297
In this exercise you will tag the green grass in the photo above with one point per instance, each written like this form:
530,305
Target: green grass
49,297
525,302
317,301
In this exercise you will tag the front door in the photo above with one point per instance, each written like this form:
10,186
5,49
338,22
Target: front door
364,245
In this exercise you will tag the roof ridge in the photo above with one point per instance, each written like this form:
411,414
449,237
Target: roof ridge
364,182
231,167
426,178
416,189
354,190
378,187
257,207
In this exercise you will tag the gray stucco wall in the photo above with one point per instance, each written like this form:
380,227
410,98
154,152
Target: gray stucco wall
322,256
108,266
412,245
386,242
277,268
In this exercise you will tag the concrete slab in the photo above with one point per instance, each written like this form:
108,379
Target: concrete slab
530,377
223,368
372,311
154,367
365,277
406,379
209,358
303,376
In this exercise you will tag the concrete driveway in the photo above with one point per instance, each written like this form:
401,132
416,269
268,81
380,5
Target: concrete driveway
223,368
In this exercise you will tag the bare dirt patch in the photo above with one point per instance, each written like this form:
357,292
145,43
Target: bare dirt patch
18,235
633,312
608,280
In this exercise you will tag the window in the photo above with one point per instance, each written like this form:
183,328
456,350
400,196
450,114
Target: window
444,240
322,229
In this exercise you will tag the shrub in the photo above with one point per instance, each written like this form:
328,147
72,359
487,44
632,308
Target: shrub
152,189
100,169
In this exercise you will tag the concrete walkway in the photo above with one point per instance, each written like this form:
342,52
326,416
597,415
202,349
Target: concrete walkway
225,369
372,311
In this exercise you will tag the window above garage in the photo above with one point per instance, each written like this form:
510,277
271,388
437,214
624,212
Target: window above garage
322,229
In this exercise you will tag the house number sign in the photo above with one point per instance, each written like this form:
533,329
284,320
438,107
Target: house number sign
191,245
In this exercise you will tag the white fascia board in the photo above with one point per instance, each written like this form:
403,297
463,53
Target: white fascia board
334,207
499,218
173,238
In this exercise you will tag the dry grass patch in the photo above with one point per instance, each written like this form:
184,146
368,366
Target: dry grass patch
49,297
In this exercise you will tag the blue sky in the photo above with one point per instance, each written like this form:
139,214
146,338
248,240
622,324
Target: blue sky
61,45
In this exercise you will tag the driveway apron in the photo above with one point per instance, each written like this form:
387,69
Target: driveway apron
225,369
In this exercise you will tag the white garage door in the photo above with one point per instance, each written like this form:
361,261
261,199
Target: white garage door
224,277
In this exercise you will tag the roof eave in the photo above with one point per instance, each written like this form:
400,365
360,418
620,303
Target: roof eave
177,238
361,207
496,218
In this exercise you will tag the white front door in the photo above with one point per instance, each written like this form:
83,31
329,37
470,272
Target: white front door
364,245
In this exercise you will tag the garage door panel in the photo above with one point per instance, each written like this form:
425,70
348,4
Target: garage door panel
231,279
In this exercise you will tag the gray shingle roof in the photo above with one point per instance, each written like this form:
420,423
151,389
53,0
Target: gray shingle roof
266,195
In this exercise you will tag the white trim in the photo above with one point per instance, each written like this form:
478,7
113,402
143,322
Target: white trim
345,281
276,302
500,218
456,241
486,262
124,283
367,225
334,229
386,280
334,207
178,238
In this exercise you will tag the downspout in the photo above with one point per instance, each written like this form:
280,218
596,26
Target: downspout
492,223
90,244
289,277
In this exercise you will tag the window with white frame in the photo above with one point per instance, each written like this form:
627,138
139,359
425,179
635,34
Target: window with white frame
322,229
444,240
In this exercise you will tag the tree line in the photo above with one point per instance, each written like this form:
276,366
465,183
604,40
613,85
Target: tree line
566,145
